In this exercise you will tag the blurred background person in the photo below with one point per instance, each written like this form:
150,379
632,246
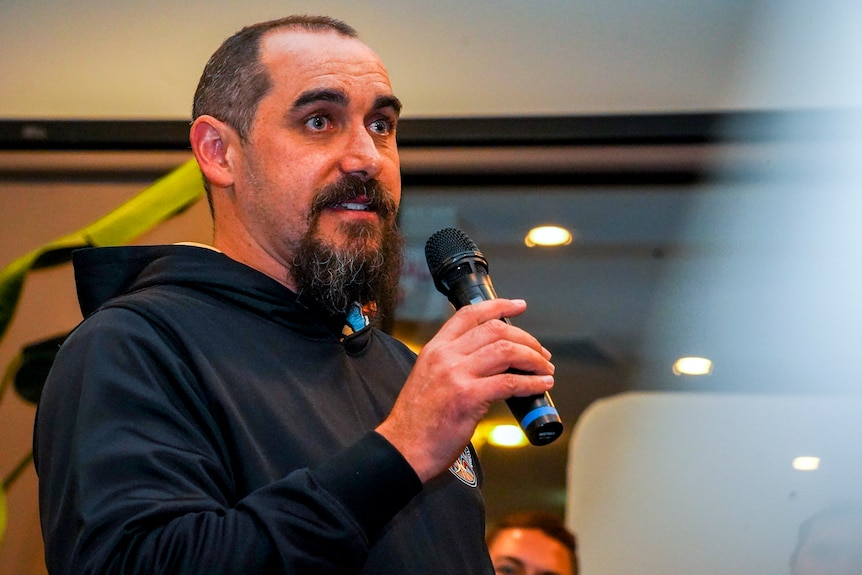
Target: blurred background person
532,543
830,542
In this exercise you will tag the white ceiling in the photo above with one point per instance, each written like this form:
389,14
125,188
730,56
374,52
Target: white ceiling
105,59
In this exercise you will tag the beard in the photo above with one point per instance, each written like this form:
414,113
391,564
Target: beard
366,269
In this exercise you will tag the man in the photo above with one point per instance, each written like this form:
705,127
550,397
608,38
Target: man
211,414
532,543
830,542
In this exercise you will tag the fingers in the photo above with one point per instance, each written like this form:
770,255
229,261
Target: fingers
498,346
494,345
519,384
470,317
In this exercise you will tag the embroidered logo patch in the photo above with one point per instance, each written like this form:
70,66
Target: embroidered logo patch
463,469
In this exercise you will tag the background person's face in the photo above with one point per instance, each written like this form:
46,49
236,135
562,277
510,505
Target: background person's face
833,547
520,551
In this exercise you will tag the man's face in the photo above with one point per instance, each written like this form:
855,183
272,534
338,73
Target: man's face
833,547
519,551
330,114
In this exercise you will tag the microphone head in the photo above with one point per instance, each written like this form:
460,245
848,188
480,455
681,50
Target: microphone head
445,245
452,257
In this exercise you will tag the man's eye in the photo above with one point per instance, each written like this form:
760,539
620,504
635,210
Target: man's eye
382,127
317,123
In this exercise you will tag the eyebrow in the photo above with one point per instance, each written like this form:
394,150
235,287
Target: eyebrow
340,98
521,565
320,95
388,102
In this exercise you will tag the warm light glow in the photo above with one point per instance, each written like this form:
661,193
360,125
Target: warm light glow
507,436
548,236
806,463
413,346
692,366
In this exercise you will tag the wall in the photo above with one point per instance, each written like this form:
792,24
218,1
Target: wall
31,214
97,58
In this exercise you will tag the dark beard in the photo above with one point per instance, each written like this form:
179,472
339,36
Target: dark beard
337,277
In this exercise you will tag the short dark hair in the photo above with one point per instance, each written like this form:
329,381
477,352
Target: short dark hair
234,80
548,523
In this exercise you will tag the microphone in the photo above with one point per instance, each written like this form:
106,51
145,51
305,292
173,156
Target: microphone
460,272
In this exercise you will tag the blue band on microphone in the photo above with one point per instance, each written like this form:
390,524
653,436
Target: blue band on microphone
536,414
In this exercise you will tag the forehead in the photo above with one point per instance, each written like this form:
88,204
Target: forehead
532,546
300,59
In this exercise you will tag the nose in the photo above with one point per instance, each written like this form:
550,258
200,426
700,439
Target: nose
361,156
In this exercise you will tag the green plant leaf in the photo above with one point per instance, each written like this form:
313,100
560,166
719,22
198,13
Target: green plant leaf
164,199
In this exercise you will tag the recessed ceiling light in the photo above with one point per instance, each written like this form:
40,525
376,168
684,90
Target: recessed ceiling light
692,366
548,236
806,463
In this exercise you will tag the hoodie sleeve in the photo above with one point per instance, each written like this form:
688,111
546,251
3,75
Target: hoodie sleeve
132,478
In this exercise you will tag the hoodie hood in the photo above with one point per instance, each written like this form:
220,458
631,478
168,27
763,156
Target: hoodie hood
105,274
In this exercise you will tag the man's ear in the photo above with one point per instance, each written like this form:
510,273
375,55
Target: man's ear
213,143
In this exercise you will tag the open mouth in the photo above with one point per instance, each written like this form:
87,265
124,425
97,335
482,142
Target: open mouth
357,204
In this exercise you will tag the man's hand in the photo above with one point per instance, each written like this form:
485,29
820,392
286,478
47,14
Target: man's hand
457,377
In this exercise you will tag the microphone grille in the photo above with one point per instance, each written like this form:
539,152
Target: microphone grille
444,244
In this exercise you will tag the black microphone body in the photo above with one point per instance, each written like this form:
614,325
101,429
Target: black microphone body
460,272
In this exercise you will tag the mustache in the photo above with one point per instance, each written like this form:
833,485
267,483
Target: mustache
348,188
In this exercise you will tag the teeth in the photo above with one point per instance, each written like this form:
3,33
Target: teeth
354,206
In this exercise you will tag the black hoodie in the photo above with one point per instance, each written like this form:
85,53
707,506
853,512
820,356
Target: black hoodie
202,420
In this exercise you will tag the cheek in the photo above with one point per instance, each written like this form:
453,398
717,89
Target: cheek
390,175
393,186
